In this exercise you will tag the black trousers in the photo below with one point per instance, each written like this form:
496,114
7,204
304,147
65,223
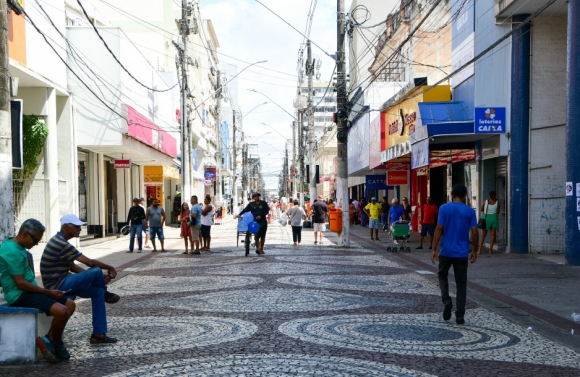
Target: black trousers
460,272
297,233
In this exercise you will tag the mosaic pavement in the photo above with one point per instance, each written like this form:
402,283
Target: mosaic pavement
308,311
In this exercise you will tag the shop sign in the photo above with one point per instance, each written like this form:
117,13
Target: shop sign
210,173
122,164
153,178
398,150
466,155
397,177
490,120
141,128
422,172
420,154
376,182
487,153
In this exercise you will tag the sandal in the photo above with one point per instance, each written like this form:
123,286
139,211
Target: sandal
111,298
102,339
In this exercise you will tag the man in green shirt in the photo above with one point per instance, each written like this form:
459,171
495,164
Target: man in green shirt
21,290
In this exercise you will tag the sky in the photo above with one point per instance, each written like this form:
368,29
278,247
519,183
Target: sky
248,31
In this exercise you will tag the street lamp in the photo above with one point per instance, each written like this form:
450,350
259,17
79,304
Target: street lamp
274,102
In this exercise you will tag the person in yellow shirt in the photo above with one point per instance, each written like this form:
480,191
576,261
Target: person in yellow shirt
372,210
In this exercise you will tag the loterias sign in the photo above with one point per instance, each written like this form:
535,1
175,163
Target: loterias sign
490,120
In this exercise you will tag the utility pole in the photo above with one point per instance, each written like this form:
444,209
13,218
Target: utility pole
186,188
311,159
294,181
245,173
218,121
341,127
6,197
235,208
300,156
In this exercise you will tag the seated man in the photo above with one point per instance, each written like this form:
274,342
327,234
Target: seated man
56,266
21,290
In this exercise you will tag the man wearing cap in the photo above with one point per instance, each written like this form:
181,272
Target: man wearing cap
259,209
59,272
372,210
319,218
136,218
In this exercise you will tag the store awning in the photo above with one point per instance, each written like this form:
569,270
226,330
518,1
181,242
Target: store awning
441,119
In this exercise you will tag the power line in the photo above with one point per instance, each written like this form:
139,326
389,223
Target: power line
115,57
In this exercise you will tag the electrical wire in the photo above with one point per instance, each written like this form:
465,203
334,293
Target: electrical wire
115,57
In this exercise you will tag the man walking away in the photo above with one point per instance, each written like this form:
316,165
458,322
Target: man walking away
319,218
385,213
195,221
296,216
429,222
21,290
154,220
59,271
136,218
455,222
259,209
372,210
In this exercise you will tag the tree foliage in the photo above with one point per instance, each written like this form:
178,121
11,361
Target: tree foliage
34,134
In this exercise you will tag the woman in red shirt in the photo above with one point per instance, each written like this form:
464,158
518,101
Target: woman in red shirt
429,222
185,228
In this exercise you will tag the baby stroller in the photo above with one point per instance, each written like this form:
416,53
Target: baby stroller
399,236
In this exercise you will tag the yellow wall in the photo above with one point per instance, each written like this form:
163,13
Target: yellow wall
410,107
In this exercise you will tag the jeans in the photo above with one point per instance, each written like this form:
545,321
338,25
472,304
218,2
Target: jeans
136,229
460,272
90,284
385,220
297,234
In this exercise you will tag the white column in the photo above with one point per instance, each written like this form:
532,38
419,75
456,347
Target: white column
101,205
51,166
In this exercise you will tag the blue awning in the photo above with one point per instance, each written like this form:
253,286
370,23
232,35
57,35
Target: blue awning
444,118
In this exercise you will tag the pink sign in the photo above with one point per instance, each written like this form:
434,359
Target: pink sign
122,164
145,130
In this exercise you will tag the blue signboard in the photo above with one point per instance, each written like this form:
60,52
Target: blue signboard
490,120
376,182
209,175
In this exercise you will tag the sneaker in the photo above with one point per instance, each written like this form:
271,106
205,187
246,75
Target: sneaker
321,243
447,310
460,320
46,349
419,248
61,352
129,251
315,242
148,246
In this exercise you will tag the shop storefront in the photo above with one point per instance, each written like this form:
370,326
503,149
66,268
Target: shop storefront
399,117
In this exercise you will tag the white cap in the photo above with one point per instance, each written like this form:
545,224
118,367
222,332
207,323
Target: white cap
71,219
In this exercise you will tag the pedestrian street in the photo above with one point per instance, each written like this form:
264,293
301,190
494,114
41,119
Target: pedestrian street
309,310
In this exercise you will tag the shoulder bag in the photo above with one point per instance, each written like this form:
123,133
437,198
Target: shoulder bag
482,223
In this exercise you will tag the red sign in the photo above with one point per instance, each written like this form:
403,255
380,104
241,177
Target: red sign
397,177
122,164
141,128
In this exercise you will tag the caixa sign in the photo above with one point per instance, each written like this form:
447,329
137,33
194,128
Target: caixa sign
490,120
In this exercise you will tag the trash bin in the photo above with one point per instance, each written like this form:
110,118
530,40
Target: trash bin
336,220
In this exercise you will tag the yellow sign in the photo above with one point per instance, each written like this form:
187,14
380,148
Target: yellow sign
153,174
399,120
171,172
159,193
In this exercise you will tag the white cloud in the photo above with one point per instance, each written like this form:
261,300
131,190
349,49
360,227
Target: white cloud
248,31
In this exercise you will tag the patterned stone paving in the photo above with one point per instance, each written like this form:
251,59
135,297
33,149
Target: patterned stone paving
272,365
404,283
307,311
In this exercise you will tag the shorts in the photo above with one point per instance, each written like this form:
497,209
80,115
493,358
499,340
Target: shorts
157,231
195,232
262,232
37,301
428,228
319,227
491,221
206,231
146,230
374,224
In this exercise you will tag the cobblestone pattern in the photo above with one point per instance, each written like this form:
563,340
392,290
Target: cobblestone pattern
320,312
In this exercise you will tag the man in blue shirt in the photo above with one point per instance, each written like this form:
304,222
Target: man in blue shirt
455,222
195,221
